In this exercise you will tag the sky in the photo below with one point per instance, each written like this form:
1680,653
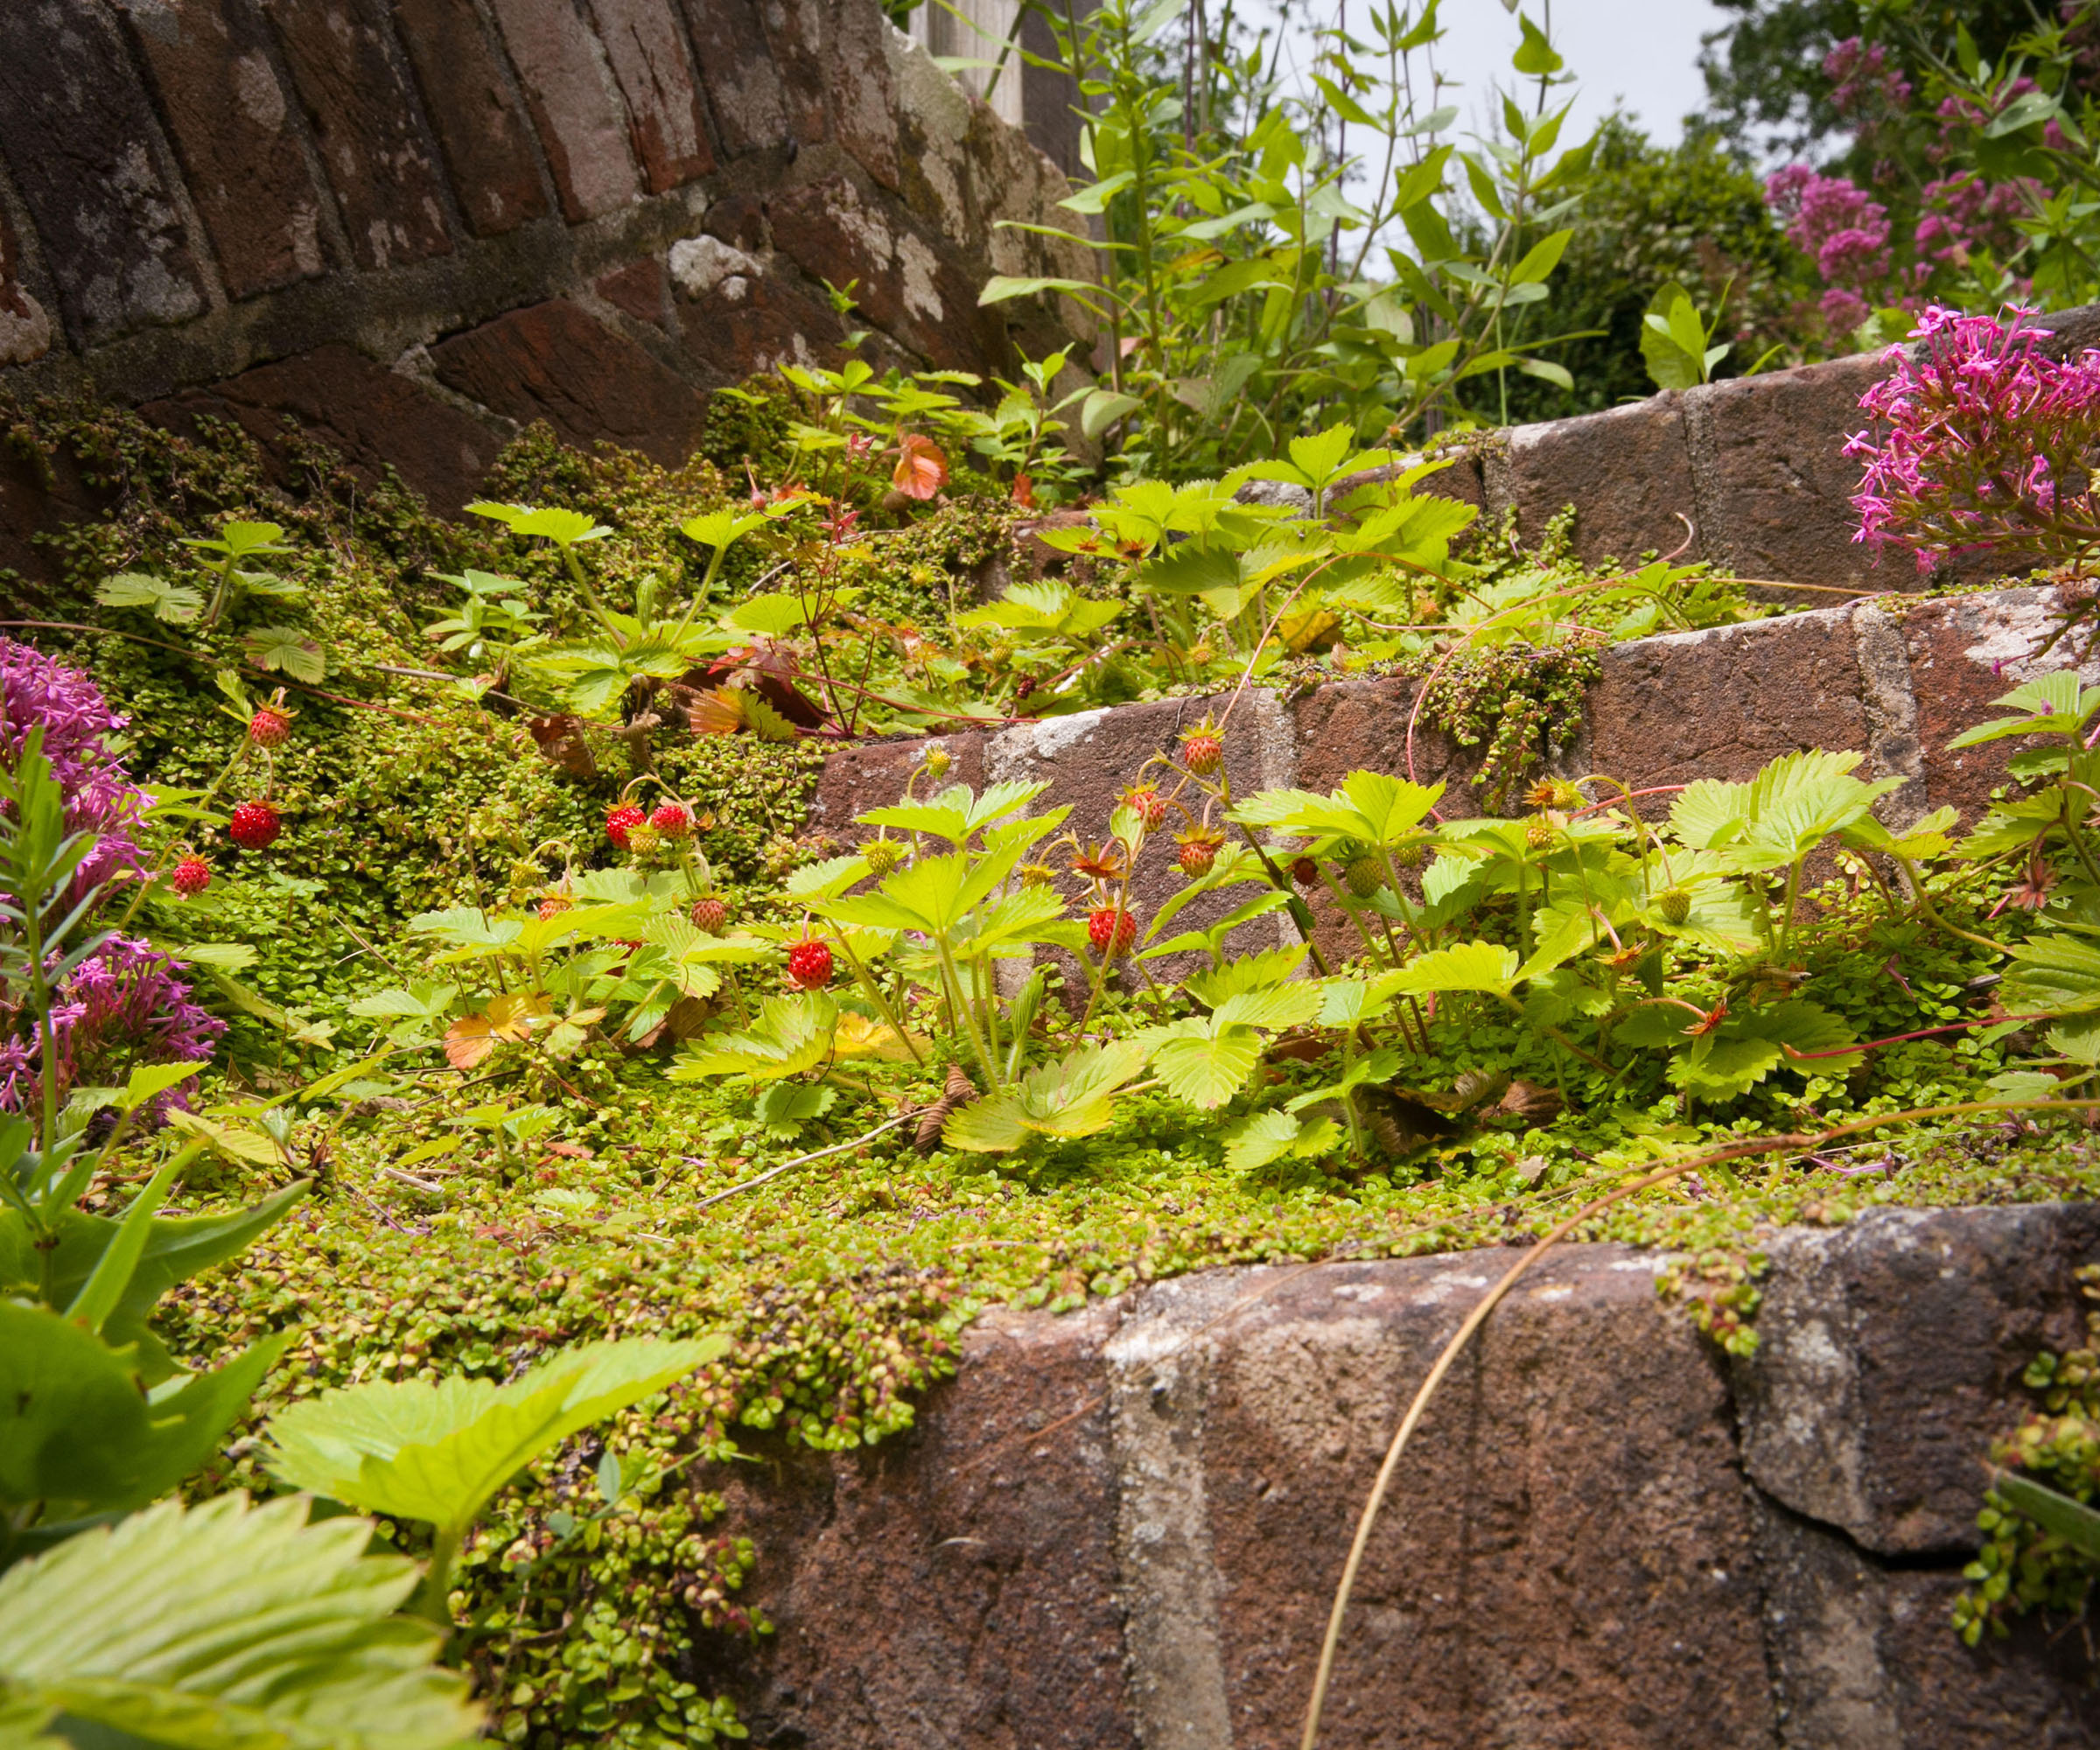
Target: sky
1645,52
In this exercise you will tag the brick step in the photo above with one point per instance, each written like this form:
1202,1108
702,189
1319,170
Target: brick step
1122,1526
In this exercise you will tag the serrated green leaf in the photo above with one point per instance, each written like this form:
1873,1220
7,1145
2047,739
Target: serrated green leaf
228,1626
438,1452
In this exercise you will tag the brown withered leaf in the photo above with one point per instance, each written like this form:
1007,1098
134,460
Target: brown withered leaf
959,1090
1528,1101
562,743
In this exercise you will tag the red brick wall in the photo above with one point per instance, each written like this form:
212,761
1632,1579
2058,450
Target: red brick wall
414,224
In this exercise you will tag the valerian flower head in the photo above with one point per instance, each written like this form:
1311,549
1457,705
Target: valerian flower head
1981,442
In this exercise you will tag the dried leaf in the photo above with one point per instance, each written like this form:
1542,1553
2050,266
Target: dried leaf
959,1090
468,1041
562,743
921,468
719,712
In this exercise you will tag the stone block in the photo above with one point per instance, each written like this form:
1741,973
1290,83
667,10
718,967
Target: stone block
1889,1356
737,68
230,120
1964,651
666,123
829,232
1626,472
1774,485
639,289
25,326
863,102
1863,1658
871,775
478,116
575,106
78,134
956,1588
933,119
1566,1559
750,322
794,31
371,417
367,127
1721,703
552,361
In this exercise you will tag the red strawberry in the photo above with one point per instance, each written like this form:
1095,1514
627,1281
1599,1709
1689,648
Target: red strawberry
268,728
254,826
809,964
673,820
553,905
621,820
1304,872
191,875
709,916
1112,930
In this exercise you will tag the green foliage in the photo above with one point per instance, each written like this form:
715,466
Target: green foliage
1242,287
438,1453
221,1626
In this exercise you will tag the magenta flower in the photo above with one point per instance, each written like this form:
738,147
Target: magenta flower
123,1005
1981,443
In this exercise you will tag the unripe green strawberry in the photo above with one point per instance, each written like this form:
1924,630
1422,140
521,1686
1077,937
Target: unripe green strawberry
937,762
1365,875
1674,905
881,855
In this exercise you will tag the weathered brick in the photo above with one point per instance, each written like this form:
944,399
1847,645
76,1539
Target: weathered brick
231,122
553,363
933,123
371,417
78,134
737,67
1850,1419
795,29
1774,485
480,121
366,121
1568,1560
647,50
638,289
831,234
575,105
892,1572
864,105
1964,651
1626,472
1723,702
25,329
750,322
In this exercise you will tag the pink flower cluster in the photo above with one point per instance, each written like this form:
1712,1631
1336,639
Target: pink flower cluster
1847,232
123,1005
1864,80
1981,442
36,689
